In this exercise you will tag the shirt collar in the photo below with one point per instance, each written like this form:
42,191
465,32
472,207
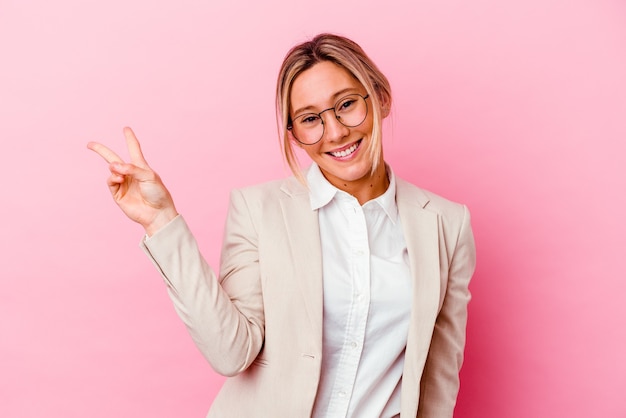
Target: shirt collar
321,192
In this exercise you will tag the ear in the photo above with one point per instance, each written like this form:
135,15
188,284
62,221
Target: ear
385,105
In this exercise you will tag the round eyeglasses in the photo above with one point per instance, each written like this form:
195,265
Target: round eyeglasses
350,111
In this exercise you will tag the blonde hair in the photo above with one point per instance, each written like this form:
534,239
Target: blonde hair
347,54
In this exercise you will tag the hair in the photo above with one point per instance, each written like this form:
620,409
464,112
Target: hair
347,54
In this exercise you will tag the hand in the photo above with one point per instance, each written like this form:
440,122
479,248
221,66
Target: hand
135,187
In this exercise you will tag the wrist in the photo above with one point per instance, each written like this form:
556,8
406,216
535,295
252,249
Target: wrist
163,218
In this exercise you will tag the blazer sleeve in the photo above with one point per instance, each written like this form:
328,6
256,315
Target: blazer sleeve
224,316
440,380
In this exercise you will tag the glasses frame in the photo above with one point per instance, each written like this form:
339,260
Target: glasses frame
338,118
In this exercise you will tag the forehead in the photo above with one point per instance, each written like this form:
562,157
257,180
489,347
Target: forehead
321,85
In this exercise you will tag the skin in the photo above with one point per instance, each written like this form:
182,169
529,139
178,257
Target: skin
135,187
317,89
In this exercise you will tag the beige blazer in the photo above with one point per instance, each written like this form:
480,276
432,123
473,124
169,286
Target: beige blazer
261,321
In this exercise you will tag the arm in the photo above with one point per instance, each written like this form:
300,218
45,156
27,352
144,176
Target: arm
440,380
225,319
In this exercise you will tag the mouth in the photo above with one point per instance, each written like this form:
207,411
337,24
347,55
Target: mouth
347,152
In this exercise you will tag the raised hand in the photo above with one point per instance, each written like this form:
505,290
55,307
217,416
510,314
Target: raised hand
135,187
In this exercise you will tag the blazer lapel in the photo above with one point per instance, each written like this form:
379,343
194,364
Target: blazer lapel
421,234
422,239
302,225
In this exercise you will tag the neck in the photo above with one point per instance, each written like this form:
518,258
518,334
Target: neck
369,187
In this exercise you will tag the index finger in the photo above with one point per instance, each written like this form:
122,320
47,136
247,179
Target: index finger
106,153
134,149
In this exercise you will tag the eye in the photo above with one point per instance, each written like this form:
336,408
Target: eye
346,105
307,120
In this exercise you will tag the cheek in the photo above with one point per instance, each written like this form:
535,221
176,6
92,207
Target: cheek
369,121
368,129
368,124
293,141
312,150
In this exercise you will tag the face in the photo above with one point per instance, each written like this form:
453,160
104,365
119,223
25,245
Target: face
342,153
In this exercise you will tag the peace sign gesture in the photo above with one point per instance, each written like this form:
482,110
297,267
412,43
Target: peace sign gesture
135,187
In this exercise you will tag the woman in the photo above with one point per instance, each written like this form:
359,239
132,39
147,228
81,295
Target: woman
343,290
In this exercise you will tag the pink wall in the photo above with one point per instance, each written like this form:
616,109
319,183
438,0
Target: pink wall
516,108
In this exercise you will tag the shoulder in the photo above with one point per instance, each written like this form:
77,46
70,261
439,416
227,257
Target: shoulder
264,206
270,192
417,205
446,209
286,186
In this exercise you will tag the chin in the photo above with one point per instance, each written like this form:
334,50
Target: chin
350,174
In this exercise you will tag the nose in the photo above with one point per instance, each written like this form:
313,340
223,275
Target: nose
333,129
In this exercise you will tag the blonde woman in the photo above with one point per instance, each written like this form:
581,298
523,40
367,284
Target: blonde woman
343,290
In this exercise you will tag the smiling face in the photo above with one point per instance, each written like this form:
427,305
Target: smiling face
343,153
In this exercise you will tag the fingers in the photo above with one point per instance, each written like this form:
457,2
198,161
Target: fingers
108,155
123,170
126,169
127,173
134,149
115,180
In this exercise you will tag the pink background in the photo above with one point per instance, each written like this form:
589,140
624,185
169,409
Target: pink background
517,108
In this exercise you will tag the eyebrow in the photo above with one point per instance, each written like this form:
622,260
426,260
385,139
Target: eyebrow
334,97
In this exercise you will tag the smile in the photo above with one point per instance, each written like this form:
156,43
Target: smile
346,152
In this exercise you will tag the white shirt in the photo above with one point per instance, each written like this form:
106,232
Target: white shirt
367,301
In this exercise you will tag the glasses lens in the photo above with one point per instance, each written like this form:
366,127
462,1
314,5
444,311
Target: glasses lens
350,111
308,128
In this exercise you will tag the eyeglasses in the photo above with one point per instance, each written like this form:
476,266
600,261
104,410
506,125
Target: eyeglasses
350,111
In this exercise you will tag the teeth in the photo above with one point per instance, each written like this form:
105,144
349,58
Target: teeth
345,152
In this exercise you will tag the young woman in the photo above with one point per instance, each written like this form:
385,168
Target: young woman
343,290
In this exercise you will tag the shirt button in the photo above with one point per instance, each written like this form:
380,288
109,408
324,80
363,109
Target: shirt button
342,394
359,252
354,344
